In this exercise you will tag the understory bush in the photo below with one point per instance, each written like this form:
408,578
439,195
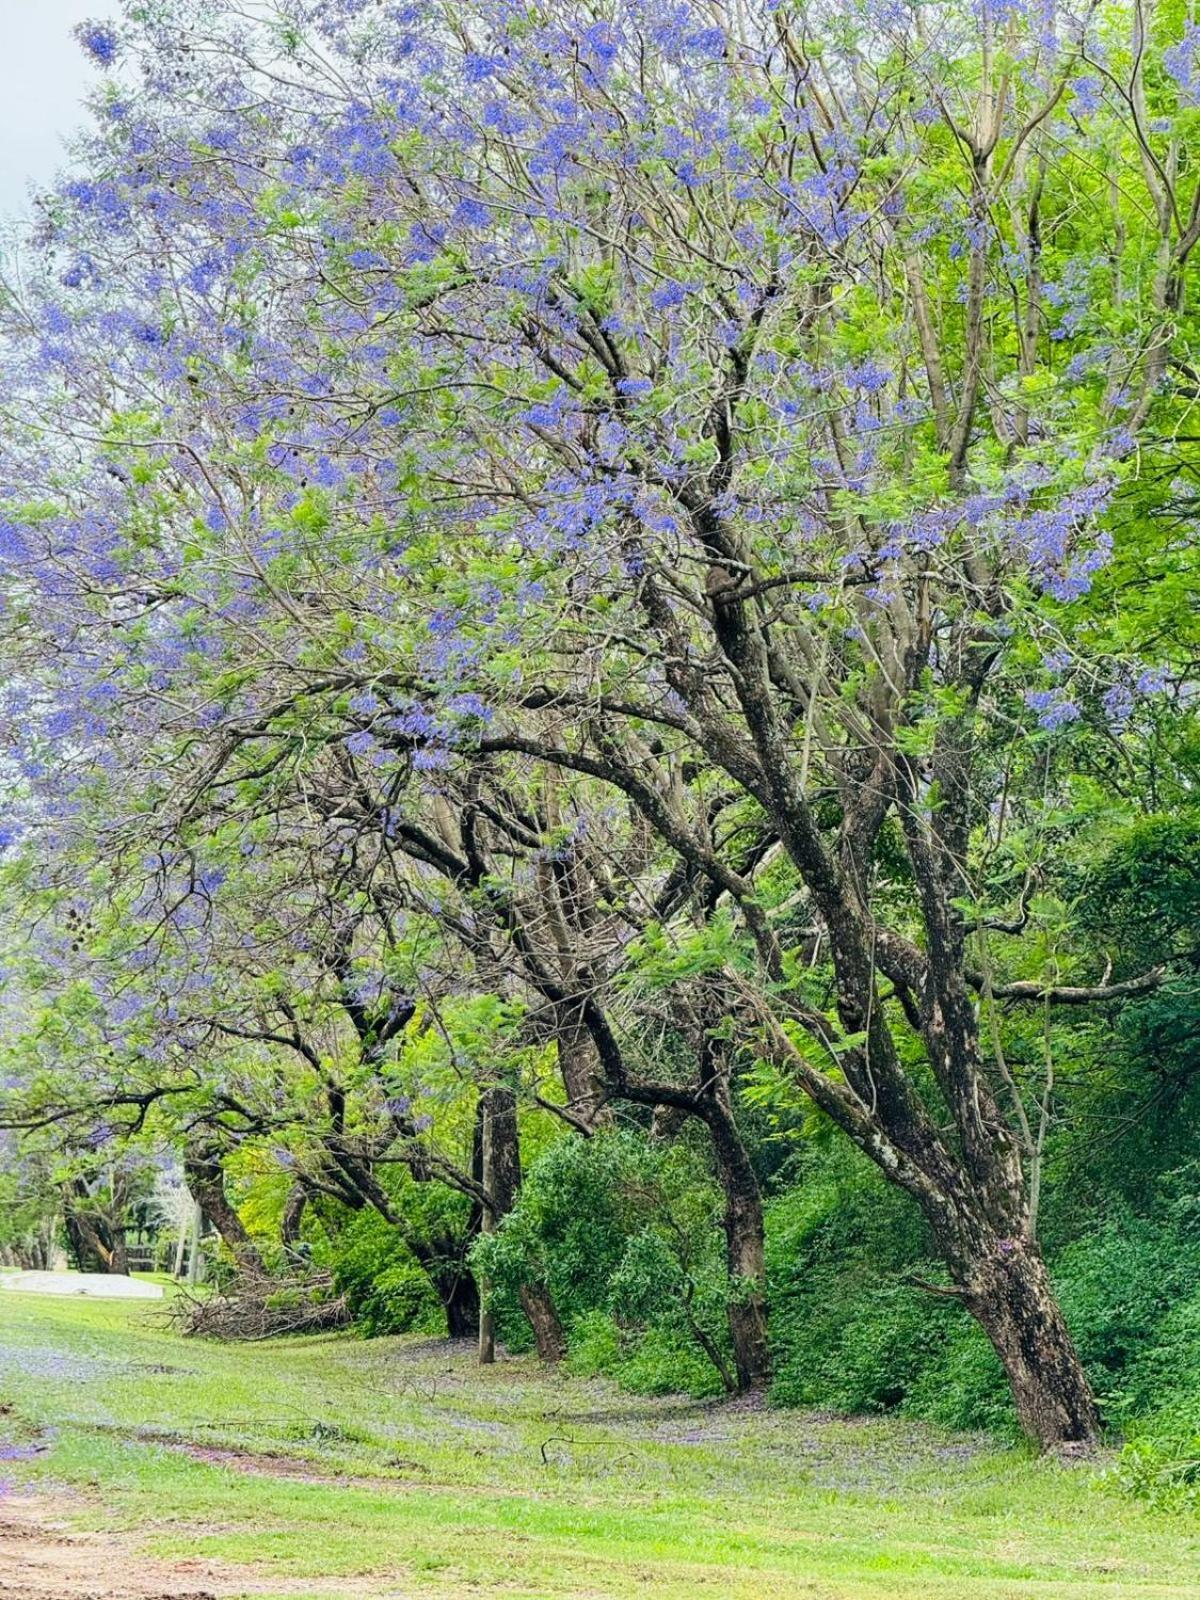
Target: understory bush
625,1235
384,1286
854,1330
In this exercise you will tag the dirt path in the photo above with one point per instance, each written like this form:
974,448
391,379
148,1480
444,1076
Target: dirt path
43,1558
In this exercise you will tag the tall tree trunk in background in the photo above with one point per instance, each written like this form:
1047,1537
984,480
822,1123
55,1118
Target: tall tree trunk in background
580,1070
485,1161
118,1249
82,1236
206,1180
501,1168
745,1252
112,1220
501,1163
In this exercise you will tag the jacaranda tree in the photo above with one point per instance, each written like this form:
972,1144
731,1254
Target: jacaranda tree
727,407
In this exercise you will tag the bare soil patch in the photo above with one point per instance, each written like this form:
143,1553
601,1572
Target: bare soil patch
42,1557
273,1465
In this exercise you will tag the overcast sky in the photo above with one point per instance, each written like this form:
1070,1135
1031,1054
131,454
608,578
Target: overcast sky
44,76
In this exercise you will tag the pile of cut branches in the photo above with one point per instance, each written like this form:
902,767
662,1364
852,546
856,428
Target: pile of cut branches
254,1307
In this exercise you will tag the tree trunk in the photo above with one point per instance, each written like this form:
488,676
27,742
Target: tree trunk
206,1181
82,1237
501,1177
548,1335
98,1243
118,1249
293,1216
459,1295
744,1245
579,1069
1008,1292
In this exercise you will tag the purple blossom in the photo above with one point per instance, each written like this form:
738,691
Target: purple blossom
669,295
472,213
1087,92
100,41
1182,62
476,68
1053,707
1118,703
470,704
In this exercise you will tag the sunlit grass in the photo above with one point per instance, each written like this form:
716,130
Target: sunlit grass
445,1479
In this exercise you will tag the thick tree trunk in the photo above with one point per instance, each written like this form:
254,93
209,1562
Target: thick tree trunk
83,1238
549,1338
1008,1292
444,1264
744,1246
580,1071
500,1169
206,1181
97,1241
118,1248
459,1295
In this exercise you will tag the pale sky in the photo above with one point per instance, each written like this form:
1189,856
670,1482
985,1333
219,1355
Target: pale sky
44,76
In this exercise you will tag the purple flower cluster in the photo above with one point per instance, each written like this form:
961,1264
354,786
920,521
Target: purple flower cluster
100,41
1182,62
1053,706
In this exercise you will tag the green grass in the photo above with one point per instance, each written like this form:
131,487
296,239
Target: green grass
460,1480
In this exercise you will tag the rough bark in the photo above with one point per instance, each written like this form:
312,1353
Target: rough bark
1008,1292
744,1248
84,1239
549,1338
501,1167
206,1182
580,1070
118,1249
97,1239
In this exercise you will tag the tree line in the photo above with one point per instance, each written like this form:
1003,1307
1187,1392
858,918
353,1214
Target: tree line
570,565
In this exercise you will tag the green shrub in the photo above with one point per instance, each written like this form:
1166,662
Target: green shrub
595,1347
1165,1472
625,1235
962,1385
385,1288
1163,1383
665,1360
847,1331
1116,1287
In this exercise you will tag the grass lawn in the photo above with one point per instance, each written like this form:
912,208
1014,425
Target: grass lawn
403,1462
